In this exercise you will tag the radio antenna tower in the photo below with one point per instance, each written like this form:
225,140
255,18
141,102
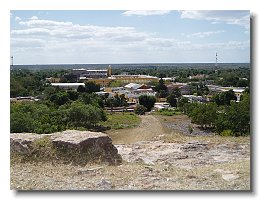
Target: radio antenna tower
216,64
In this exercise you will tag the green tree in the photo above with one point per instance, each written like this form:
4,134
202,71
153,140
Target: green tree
110,101
60,98
123,100
91,87
21,122
182,104
204,114
34,117
81,115
176,92
224,98
147,101
140,110
173,97
161,89
73,95
235,117
172,100
49,91
92,99
81,89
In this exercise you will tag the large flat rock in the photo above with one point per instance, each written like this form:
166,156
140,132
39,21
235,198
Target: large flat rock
72,145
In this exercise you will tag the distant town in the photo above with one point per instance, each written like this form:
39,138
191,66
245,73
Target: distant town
133,86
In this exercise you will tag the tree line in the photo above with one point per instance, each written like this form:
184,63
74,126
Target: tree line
228,118
58,110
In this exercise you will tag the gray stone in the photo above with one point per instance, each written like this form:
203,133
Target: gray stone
73,145
230,177
104,184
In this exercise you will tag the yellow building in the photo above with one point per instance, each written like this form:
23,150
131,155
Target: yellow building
53,80
103,82
135,78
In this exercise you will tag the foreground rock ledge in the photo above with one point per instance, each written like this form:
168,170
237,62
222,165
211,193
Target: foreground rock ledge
74,146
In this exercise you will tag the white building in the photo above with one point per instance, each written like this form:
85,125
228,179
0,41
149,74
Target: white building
68,85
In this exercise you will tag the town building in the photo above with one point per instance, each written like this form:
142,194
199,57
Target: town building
198,76
135,78
24,99
161,105
194,98
237,90
183,87
67,86
53,80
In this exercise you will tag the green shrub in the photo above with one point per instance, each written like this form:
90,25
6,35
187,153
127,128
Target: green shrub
140,110
227,133
147,101
168,112
190,129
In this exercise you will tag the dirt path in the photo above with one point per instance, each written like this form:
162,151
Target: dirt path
149,128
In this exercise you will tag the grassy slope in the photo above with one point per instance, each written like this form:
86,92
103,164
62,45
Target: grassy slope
121,120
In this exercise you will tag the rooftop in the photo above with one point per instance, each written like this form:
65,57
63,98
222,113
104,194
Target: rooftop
136,76
90,70
67,84
133,86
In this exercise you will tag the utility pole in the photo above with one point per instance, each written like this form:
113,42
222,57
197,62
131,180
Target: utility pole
216,64
12,62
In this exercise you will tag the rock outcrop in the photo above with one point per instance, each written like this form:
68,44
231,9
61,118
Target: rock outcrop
73,146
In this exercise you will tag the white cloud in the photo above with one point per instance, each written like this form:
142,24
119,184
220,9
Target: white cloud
24,43
230,45
75,31
30,31
42,23
17,18
57,41
34,17
204,34
236,17
145,12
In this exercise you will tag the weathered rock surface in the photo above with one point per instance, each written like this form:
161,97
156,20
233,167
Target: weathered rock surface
72,145
185,155
149,165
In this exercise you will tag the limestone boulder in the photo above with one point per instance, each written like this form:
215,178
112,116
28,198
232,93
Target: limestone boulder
22,142
71,146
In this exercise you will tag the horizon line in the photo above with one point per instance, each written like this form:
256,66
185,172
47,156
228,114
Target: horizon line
133,63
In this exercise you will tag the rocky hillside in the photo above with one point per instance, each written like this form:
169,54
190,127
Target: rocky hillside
161,161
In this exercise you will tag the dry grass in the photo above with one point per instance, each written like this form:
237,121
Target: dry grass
121,120
129,176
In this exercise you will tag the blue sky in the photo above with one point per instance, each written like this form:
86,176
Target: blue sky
68,37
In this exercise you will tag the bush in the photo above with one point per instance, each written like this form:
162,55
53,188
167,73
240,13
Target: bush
140,110
147,101
81,115
39,118
227,133
168,112
190,129
204,114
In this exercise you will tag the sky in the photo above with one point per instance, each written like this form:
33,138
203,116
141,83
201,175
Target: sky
129,36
